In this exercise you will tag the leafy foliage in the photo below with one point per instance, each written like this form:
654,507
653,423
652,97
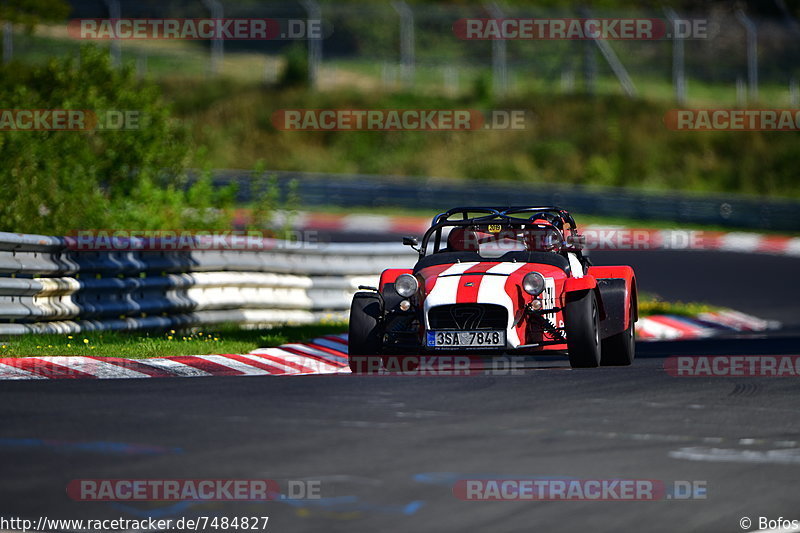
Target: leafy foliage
59,181
29,13
296,72
269,202
567,139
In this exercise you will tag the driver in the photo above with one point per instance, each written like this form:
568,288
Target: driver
548,236
544,238
545,217
545,235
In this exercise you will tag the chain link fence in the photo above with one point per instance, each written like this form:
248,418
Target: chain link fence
395,45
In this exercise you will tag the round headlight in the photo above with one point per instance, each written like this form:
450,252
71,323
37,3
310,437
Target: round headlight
406,285
533,283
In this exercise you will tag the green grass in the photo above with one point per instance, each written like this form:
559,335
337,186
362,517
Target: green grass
157,59
228,339
650,304
168,59
199,341
605,140
430,79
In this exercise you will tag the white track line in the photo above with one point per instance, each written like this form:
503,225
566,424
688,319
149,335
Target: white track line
174,367
657,330
313,351
283,367
295,358
12,372
94,367
227,362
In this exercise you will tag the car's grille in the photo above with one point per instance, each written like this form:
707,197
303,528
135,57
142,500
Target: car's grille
468,316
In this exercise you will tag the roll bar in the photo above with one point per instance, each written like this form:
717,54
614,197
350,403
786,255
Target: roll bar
501,215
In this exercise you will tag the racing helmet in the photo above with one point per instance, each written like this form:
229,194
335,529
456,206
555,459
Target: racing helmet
543,237
548,218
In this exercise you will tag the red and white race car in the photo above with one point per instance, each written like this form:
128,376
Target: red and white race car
498,280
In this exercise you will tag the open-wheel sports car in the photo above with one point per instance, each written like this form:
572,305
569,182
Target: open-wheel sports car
493,281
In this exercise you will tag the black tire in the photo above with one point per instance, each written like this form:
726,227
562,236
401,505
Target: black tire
582,324
620,349
364,336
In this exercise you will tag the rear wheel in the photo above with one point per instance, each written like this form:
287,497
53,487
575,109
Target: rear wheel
582,324
619,349
364,336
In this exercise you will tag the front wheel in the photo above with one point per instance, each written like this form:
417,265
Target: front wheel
582,324
364,336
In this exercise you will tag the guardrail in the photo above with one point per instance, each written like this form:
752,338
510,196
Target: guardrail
362,190
49,285
63,285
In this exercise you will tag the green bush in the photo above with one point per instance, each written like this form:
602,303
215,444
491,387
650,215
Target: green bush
268,201
59,181
296,72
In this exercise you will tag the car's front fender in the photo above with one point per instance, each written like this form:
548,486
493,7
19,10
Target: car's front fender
390,275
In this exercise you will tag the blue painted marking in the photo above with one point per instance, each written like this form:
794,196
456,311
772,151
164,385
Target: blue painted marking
450,478
413,507
158,512
338,504
110,448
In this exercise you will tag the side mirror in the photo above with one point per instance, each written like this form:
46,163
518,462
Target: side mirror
413,242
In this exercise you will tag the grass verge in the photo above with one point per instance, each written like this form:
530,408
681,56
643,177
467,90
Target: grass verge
653,305
605,140
227,339
202,341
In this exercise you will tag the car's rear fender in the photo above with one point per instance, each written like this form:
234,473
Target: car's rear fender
617,287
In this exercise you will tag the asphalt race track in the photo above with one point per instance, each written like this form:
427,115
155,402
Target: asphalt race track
756,284
388,450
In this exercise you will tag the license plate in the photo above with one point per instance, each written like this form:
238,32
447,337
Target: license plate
467,339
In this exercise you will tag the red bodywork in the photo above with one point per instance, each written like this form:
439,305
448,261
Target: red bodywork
501,283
